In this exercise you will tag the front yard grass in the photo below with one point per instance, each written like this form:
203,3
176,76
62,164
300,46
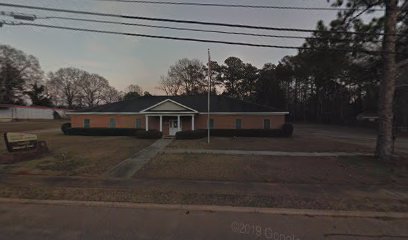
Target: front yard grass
77,155
271,169
297,143
19,126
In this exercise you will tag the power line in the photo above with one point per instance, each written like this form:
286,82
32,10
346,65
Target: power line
180,21
182,38
14,14
233,5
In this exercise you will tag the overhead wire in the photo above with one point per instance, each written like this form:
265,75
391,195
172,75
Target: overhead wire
183,38
223,5
11,14
180,21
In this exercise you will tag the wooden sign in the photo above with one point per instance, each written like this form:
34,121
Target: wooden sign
16,142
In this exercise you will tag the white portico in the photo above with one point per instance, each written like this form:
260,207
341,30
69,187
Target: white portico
169,114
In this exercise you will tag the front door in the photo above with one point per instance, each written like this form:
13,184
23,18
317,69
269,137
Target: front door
173,127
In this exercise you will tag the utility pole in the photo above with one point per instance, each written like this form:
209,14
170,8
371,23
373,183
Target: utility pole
387,86
209,95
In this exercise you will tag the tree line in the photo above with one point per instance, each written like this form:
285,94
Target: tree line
334,76
23,82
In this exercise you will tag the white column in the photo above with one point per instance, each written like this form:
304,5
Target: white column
178,123
147,123
161,123
192,123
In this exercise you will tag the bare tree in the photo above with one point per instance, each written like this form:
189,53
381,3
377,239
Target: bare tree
133,91
184,77
63,86
92,88
171,86
111,95
18,72
134,88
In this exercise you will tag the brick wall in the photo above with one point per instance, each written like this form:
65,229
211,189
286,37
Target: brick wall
247,121
220,121
102,121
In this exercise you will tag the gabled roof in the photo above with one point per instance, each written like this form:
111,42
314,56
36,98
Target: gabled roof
173,104
198,103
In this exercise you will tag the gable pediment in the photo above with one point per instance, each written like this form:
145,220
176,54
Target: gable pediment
169,106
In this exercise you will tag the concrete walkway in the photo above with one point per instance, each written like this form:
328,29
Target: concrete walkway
130,166
266,153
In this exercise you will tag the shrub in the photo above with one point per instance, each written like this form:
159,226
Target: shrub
137,132
287,130
196,134
65,128
103,131
151,134
246,132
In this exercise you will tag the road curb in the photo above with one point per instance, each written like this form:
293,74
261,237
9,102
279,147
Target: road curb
213,208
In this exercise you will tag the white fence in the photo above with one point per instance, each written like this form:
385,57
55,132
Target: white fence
25,113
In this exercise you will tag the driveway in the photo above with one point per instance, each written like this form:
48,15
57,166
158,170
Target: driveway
35,221
360,136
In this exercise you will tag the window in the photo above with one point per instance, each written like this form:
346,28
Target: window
87,123
238,123
211,123
138,123
112,123
267,124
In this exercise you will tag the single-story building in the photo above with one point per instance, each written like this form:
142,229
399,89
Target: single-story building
171,114
9,112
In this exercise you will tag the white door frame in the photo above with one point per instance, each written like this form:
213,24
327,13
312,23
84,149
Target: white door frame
178,120
174,130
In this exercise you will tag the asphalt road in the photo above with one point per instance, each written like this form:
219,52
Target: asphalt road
36,221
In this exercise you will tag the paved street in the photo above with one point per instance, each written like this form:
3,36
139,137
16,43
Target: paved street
36,221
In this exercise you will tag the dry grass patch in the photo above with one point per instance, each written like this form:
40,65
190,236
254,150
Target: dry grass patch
19,126
79,155
272,169
274,198
297,143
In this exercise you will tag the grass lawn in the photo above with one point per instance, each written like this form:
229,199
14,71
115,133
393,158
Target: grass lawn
271,169
77,155
19,126
297,143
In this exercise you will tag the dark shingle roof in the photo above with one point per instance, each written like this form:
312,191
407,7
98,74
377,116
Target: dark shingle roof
198,103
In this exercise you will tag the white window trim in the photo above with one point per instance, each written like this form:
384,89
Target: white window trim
263,123
89,123
110,122
240,123
140,121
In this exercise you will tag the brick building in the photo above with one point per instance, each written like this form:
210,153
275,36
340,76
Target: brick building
170,114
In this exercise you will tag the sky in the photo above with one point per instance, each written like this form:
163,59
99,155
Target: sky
125,60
